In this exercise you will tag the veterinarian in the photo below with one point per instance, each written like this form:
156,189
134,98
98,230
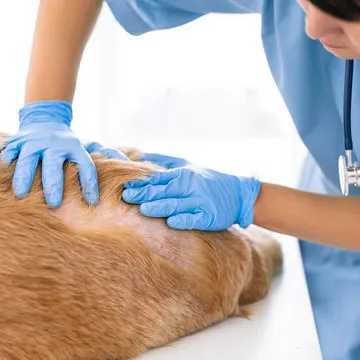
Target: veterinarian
306,47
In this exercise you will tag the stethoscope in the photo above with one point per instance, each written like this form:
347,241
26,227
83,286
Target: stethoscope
349,171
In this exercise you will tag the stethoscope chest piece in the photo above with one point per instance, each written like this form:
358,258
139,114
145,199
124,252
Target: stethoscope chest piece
343,176
348,170
348,174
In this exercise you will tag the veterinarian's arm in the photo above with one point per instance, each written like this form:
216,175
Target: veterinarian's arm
204,199
328,220
62,30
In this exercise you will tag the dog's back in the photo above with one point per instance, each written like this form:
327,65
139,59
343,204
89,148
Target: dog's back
104,282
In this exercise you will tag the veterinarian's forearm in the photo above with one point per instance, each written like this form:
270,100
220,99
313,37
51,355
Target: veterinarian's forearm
328,220
62,30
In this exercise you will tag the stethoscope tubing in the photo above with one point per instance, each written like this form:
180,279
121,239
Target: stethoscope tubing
349,69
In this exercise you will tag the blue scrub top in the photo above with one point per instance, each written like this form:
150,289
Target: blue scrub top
311,81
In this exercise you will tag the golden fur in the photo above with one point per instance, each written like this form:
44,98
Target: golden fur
104,282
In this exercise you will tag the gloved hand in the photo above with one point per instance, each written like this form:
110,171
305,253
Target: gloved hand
45,134
112,153
194,198
165,161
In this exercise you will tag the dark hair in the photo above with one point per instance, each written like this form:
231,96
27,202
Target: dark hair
348,10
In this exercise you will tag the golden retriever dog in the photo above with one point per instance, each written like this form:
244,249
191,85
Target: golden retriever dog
104,282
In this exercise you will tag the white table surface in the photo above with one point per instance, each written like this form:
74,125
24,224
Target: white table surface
283,327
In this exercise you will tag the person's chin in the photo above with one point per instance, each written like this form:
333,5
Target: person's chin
343,52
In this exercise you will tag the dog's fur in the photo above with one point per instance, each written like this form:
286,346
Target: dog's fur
105,282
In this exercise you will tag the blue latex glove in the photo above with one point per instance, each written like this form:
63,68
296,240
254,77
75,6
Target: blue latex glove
165,161
45,134
95,147
194,198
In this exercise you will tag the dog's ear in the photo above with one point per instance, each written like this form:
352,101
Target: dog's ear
3,140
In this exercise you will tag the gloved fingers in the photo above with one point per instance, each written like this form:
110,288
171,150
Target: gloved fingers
111,153
53,178
88,177
188,221
93,147
168,162
154,192
9,153
157,178
168,207
24,173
